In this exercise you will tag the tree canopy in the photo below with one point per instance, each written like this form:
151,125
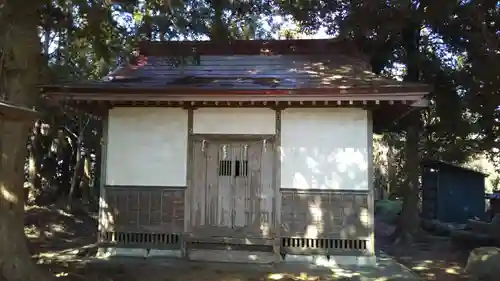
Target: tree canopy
452,45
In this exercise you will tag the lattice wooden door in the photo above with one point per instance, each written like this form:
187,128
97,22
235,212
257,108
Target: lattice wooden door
235,199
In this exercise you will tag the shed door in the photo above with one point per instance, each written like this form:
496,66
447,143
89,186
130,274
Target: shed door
236,197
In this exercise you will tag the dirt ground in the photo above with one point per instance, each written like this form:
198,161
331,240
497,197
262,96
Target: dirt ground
51,229
433,258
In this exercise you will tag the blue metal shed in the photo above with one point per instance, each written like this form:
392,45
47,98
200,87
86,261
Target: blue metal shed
451,193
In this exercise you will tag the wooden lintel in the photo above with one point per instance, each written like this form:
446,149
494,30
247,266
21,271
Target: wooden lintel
105,105
250,47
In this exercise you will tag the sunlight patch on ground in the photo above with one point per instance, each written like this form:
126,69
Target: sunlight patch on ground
286,276
65,255
61,274
35,207
305,276
423,265
428,265
54,256
453,270
275,276
430,276
339,272
420,268
59,211
64,213
32,232
57,228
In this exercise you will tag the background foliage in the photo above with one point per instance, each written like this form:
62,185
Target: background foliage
452,45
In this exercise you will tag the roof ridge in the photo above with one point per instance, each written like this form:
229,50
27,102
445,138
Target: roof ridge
255,47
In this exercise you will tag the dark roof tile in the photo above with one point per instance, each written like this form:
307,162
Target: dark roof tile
250,72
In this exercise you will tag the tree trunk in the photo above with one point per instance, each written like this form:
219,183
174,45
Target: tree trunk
392,168
409,223
219,31
66,170
15,260
79,163
35,161
77,174
19,61
85,183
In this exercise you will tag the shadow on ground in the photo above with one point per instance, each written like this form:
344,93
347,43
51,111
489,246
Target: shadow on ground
53,232
53,229
432,258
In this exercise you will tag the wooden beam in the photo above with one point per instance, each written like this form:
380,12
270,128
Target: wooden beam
16,113
251,47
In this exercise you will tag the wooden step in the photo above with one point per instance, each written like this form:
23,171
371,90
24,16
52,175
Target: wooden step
232,256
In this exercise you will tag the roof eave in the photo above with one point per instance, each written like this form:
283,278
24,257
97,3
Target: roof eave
387,92
240,96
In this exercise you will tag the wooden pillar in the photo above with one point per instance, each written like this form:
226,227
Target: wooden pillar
277,184
371,186
103,222
189,183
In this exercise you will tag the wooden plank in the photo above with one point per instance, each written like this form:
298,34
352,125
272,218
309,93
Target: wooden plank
240,210
230,240
254,188
146,210
242,138
267,193
199,186
212,182
325,214
143,187
225,184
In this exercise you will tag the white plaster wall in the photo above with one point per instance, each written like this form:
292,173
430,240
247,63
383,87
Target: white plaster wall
147,146
326,149
234,121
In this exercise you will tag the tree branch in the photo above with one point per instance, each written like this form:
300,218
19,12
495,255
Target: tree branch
70,132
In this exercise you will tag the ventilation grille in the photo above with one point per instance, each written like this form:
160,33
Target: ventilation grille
323,243
140,238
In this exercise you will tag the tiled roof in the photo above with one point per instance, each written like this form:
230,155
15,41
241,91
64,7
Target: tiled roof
250,72
250,65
